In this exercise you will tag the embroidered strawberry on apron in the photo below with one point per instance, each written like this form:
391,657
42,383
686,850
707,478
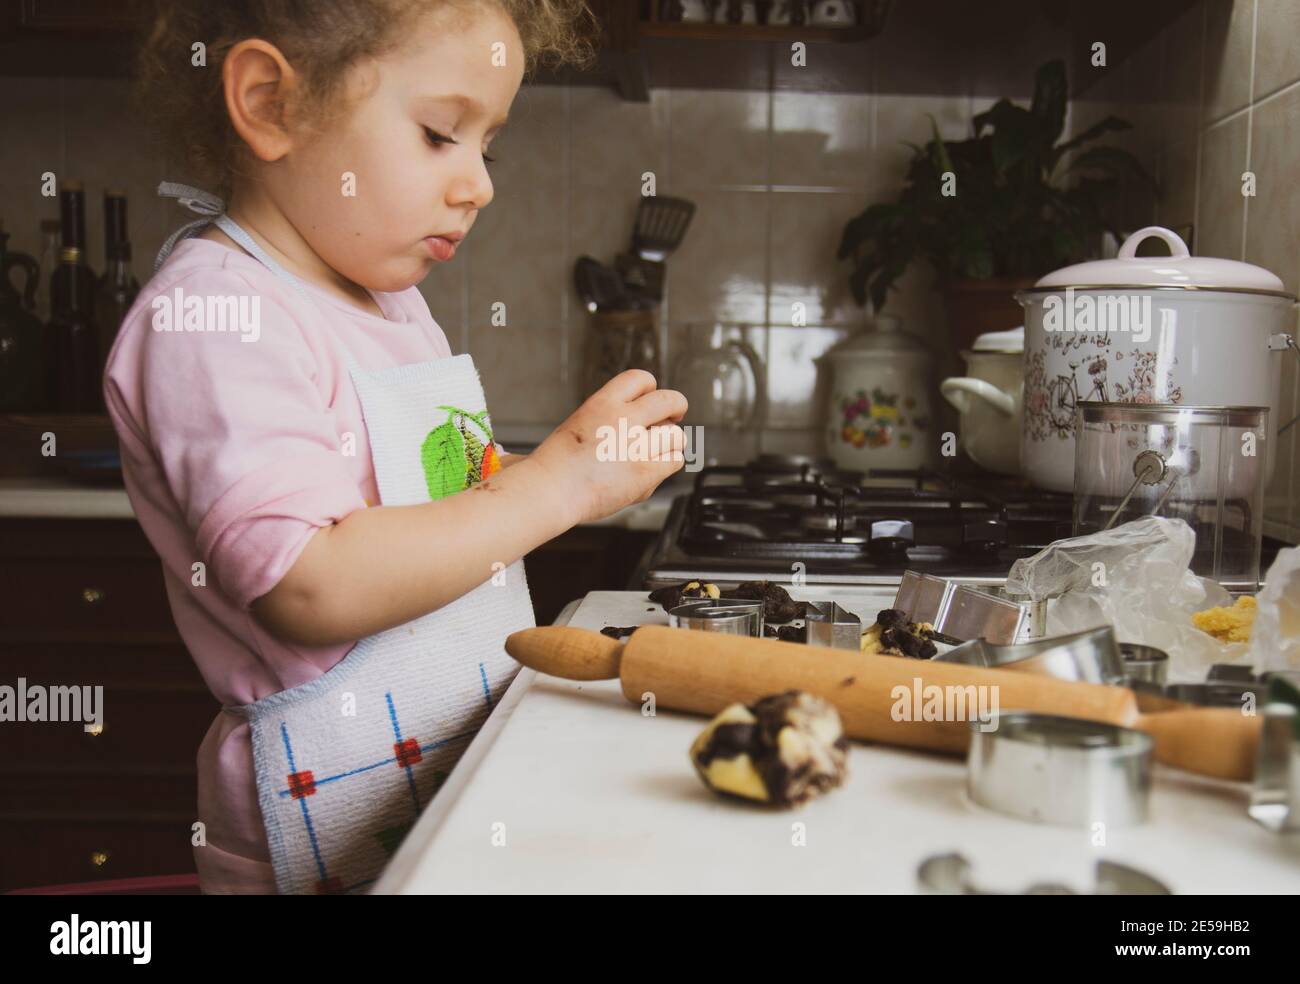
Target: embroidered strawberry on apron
346,762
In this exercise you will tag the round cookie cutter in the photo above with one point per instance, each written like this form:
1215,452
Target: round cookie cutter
1145,663
1060,770
731,616
1091,656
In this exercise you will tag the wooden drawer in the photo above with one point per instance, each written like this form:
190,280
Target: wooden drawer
41,850
140,728
51,598
45,790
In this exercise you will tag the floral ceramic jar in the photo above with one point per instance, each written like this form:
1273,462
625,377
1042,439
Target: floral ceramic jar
880,412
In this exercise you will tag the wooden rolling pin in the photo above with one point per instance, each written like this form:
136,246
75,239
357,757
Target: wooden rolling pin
703,672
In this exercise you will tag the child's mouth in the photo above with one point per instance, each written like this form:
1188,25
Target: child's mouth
439,248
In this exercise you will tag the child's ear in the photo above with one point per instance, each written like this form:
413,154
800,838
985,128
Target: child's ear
259,83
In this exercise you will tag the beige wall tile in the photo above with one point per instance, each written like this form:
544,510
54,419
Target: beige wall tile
806,231
822,139
1220,205
1229,37
515,256
901,120
719,137
1277,55
1176,206
1180,79
1273,219
720,270
615,142
797,382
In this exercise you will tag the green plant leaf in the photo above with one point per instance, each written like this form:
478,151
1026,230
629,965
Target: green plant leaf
442,457
1050,97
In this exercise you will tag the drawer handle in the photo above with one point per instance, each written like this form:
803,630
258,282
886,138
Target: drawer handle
99,858
92,596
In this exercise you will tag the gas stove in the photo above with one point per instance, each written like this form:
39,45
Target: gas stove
766,518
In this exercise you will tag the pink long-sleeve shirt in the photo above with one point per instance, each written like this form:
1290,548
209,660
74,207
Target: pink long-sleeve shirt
234,453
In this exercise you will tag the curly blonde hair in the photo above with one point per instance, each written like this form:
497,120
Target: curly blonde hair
322,39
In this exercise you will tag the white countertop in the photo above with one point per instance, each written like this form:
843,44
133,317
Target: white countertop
569,788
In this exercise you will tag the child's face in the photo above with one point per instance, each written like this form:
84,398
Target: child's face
409,186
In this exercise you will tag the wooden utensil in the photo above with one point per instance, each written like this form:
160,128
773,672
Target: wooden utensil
703,672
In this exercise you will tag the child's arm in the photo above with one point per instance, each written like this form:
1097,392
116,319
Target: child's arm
385,565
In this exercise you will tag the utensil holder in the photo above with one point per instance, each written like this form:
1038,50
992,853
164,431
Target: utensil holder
617,341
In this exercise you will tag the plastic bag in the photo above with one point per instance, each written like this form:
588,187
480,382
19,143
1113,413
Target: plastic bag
1136,578
1275,637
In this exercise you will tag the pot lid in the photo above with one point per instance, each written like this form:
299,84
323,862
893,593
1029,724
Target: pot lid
1001,341
1179,270
885,335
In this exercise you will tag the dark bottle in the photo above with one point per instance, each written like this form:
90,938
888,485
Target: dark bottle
72,351
117,288
20,333
72,220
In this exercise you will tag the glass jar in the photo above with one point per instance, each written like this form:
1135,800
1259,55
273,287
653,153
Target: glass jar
1202,464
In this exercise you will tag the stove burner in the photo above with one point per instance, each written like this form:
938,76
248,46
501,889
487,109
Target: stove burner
764,519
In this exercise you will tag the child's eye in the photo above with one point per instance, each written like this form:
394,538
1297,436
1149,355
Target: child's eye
437,138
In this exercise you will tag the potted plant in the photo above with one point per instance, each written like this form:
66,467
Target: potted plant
995,211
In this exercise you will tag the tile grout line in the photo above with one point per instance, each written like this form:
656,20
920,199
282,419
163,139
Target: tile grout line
1250,124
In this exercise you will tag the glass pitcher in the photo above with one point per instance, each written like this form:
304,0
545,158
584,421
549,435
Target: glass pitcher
722,377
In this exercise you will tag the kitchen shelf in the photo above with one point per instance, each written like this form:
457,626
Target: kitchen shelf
755,32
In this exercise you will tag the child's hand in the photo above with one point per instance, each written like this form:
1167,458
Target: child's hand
604,465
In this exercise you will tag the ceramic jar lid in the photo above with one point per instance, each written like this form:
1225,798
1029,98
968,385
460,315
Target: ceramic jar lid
1177,271
885,338
1011,342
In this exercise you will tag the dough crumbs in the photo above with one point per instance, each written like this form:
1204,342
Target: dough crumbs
1228,623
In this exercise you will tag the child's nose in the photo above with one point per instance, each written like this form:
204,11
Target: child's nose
473,186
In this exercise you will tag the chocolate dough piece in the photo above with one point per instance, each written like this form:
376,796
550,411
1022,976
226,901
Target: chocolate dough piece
894,635
778,606
618,631
675,594
783,750
786,633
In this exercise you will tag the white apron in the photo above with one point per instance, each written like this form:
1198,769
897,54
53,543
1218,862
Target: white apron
346,762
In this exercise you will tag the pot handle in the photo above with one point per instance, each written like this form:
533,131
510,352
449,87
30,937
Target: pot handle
959,390
1177,248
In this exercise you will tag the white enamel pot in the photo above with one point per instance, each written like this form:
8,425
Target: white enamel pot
990,400
1151,329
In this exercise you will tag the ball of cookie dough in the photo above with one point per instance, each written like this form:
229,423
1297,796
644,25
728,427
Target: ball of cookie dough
784,749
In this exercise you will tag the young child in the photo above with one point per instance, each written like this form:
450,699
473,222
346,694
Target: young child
340,534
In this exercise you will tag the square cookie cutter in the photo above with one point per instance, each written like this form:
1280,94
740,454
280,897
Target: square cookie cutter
965,611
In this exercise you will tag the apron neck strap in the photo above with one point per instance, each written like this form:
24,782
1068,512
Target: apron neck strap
213,211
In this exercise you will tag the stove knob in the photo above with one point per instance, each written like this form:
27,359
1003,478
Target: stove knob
988,535
890,537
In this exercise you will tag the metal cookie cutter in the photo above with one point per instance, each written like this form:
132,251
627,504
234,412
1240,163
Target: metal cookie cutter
1060,770
732,616
828,624
964,611
949,874
1091,656
1275,799
1144,663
